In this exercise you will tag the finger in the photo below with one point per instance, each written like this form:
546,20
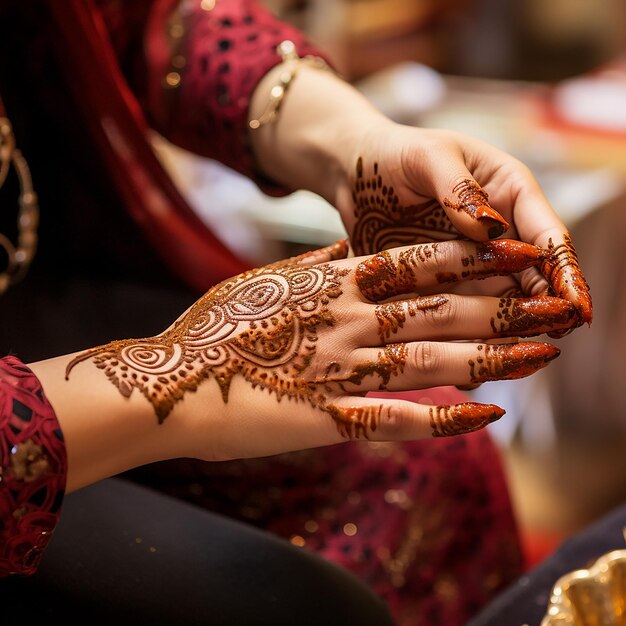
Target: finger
424,364
407,270
562,270
531,280
333,252
400,420
449,316
537,223
470,387
466,203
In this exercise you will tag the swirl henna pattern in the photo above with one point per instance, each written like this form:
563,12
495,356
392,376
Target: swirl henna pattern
383,222
262,325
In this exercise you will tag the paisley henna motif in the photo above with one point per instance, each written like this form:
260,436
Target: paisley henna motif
382,222
458,419
262,325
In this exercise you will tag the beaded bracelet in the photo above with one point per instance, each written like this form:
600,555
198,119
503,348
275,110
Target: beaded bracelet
288,54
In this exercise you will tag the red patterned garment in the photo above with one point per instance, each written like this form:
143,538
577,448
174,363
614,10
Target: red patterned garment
33,468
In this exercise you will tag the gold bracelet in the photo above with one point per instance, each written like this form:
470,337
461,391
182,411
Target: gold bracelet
287,52
20,255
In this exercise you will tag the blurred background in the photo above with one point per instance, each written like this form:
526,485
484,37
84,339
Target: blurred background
545,81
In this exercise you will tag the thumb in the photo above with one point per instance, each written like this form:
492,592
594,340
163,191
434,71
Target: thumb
465,202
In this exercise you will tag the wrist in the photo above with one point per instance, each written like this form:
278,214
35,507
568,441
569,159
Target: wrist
105,432
313,141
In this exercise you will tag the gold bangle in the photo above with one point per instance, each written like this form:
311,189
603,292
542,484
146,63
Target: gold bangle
289,56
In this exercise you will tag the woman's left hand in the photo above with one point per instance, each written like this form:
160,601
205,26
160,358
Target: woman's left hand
397,185
411,185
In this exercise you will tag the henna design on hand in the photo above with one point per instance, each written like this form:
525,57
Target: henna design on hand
459,419
562,270
519,316
379,278
382,222
392,316
262,325
389,362
357,421
510,361
474,201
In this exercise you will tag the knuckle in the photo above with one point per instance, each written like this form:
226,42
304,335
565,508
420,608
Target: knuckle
447,313
392,421
427,357
443,256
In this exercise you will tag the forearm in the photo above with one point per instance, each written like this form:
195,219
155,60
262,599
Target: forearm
313,143
105,432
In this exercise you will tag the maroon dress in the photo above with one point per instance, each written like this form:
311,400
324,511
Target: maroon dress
428,525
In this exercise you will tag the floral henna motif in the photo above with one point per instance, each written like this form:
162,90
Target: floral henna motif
474,201
520,316
458,419
262,325
382,222
510,361
562,270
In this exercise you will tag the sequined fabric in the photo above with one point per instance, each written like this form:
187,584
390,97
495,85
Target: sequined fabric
33,469
428,524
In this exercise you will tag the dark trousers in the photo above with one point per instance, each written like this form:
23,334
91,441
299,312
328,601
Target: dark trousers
124,554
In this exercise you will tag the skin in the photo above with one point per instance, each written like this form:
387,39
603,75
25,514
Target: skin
445,186
425,185
280,358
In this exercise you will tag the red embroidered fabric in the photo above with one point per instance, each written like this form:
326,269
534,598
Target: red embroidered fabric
213,56
33,468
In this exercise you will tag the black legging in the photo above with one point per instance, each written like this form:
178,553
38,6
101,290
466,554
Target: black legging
123,554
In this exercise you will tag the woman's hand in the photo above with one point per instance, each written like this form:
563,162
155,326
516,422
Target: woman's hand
398,185
413,185
280,358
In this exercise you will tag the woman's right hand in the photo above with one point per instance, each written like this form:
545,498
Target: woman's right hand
280,358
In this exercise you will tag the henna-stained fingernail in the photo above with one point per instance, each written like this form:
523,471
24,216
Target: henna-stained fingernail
510,361
495,231
509,255
496,224
458,419
474,201
523,316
